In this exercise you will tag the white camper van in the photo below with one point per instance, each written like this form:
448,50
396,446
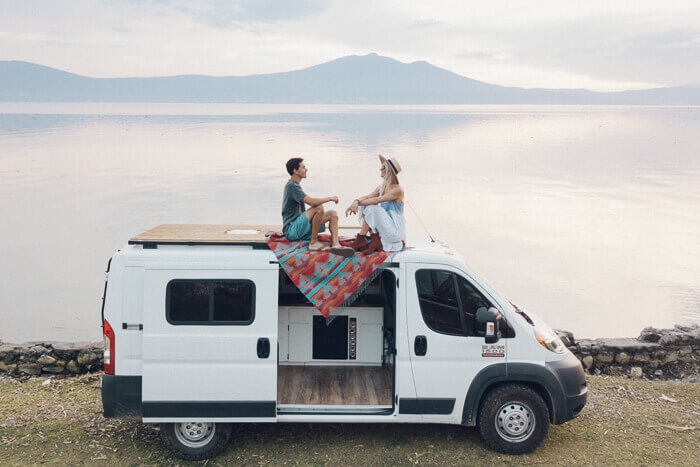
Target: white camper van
204,329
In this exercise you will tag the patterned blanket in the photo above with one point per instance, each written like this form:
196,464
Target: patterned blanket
327,280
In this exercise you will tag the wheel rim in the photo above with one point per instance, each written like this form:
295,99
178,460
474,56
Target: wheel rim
194,434
515,422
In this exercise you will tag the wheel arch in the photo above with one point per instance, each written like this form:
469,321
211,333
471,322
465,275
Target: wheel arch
536,377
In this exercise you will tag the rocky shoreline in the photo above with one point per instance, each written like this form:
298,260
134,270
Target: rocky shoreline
660,354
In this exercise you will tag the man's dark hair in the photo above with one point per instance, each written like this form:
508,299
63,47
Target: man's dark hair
293,164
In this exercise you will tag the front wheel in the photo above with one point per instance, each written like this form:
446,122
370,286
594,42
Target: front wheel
513,419
194,441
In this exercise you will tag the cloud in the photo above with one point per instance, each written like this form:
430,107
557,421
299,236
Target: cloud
225,14
611,47
596,44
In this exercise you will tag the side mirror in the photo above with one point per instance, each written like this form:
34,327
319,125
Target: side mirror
491,317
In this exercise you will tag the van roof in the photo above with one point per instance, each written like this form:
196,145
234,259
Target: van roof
418,248
207,234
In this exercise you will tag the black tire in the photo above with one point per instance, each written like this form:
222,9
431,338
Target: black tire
209,446
526,412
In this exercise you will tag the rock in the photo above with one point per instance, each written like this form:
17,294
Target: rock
46,360
29,369
671,357
636,372
585,345
658,373
650,334
8,353
86,357
686,350
73,367
671,339
603,358
567,337
66,350
640,357
60,363
587,362
8,368
695,334
626,345
54,369
39,350
622,358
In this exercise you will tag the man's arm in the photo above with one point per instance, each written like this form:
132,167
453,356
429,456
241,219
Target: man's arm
313,202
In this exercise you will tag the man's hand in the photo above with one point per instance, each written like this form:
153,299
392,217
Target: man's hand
334,199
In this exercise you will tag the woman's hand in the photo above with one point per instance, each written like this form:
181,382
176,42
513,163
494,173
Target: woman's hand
352,209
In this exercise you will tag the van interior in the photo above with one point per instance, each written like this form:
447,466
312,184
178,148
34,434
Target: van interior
341,364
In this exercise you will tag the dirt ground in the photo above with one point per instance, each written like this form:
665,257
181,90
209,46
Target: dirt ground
625,422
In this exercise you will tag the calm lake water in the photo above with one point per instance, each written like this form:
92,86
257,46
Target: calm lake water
586,216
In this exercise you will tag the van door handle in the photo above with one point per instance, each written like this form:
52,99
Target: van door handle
263,347
420,346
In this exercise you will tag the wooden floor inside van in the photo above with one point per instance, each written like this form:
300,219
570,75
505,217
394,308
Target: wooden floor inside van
334,385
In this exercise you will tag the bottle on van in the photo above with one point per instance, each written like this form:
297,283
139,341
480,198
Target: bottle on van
203,330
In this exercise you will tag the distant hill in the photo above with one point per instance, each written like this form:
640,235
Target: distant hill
368,79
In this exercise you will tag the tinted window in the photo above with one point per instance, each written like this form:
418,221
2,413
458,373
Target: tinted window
189,301
472,300
438,301
210,302
233,301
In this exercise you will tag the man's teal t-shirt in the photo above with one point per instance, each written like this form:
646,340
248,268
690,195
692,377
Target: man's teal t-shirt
292,205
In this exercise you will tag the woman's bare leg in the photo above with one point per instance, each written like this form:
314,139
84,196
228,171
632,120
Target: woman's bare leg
364,230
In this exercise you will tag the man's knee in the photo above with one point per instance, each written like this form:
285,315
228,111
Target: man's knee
330,215
315,211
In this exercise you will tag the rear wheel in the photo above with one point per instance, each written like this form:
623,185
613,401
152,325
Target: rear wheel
195,440
513,419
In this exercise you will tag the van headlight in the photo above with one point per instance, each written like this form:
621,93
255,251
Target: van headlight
550,341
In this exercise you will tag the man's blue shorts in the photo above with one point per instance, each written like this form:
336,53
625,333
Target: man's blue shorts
300,229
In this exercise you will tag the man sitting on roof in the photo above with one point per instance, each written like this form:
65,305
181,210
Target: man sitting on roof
300,224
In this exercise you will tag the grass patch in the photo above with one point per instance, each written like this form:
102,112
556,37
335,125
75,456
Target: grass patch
624,422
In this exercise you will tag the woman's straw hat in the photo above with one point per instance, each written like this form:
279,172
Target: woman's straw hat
392,163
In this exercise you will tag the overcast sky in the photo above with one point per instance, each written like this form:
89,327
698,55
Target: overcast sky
600,45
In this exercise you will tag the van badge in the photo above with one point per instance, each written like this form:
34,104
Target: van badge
493,350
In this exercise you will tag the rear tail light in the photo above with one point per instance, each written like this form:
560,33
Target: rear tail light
109,349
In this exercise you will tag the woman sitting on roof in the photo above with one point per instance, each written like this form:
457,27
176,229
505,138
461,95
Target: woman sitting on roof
381,213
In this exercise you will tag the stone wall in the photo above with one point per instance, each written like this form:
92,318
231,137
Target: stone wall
36,358
655,354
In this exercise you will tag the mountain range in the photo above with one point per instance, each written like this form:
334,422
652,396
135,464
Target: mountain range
367,79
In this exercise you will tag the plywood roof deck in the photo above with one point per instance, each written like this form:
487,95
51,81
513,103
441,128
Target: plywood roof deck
207,234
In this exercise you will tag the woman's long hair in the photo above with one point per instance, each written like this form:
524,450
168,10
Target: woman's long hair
389,179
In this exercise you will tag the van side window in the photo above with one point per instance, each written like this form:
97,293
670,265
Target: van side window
221,301
438,301
472,300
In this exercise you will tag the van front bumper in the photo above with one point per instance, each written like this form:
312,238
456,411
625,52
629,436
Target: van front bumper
572,380
121,396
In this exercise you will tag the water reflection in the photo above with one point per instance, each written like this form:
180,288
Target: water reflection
585,215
